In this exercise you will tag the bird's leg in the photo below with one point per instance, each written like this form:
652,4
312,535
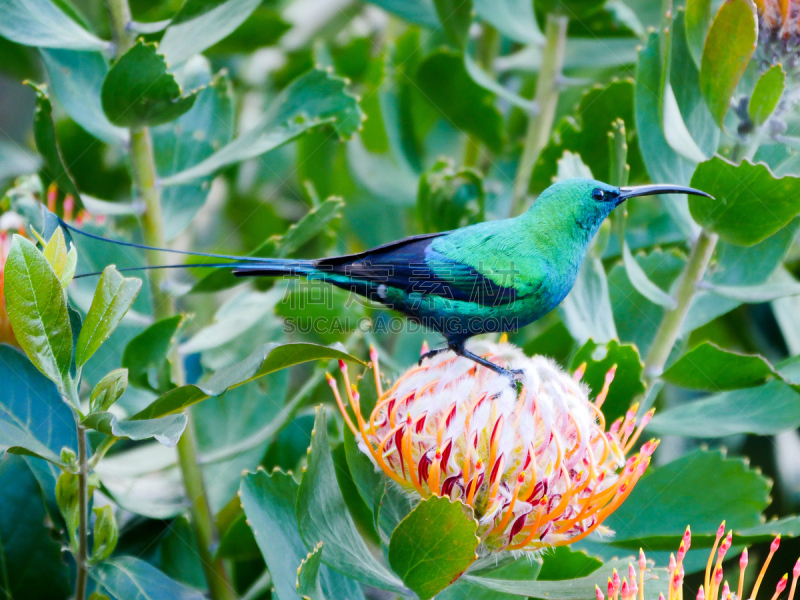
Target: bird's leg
460,349
432,353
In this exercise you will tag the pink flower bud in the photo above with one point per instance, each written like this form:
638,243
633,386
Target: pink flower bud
781,584
598,594
743,559
796,570
642,560
701,594
773,547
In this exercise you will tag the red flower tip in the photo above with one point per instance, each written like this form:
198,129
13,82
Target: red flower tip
721,531
796,570
743,559
773,547
342,366
598,594
782,583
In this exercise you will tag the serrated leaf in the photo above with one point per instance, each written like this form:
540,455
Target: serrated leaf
42,23
145,355
433,545
627,384
312,100
749,204
709,367
108,390
76,79
128,578
267,359
269,503
139,91
314,222
199,24
44,133
323,517
767,94
37,309
308,585
730,43
764,410
165,430
112,299
685,497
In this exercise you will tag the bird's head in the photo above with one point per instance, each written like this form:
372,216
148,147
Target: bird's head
587,202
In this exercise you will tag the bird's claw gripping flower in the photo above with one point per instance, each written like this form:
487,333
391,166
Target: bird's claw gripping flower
714,587
536,465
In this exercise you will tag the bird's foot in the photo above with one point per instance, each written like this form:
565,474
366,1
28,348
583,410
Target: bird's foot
431,354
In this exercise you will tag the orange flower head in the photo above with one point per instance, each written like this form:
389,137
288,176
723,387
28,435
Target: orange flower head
536,464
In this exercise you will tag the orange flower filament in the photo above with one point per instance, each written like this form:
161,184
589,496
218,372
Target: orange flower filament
537,467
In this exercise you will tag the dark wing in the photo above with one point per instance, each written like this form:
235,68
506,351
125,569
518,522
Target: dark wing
411,265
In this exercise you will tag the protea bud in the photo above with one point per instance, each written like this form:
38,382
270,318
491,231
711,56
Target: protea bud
534,463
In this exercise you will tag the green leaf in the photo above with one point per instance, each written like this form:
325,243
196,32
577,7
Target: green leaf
698,20
563,563
145,356
322,517
445,83
37,309
366,479
112,299
76,79
42,23
662,162
264,27
33,417
238,542
685,497
585,132
730,43
308,584
139,91
421,12
433,545
269,503
455,17
166,430
108,390
750,203
763,410
709,367
313,223
312,100
192,137
128,578
63,262
106,533
267,359
391,505
586,311
32,557
514,18
766,95
68,503
44,132
642,283
571,589
627,384
199,24
773,289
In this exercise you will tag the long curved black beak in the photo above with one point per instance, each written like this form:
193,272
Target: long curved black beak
652,190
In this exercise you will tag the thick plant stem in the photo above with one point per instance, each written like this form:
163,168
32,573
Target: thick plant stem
541,124
670,328
82,559
145,178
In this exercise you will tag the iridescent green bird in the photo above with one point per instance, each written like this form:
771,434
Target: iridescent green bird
490,277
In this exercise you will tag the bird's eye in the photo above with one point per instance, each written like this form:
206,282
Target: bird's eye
598,194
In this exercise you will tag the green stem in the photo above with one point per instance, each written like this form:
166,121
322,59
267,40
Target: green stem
145,179
83,524
670,328
540,124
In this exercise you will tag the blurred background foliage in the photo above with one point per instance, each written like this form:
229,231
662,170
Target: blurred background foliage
393,118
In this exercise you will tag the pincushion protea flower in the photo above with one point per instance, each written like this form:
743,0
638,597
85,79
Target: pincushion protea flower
536,465
714,587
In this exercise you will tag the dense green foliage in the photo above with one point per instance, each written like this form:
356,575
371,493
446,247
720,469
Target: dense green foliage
132,402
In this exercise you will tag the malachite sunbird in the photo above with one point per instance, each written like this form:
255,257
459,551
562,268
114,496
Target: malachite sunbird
490,277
